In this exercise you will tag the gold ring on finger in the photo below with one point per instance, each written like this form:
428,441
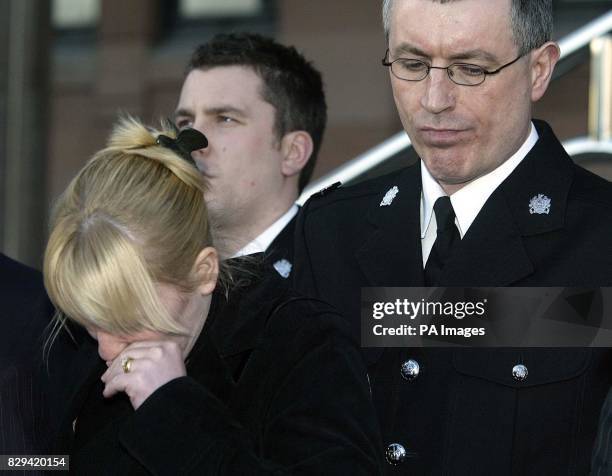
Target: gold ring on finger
126,364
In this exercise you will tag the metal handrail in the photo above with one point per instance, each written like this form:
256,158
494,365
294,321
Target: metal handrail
584,35
568,45
587,145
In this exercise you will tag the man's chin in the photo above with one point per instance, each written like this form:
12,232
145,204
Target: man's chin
448,171
444,165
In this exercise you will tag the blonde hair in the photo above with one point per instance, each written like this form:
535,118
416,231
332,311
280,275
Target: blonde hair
133,216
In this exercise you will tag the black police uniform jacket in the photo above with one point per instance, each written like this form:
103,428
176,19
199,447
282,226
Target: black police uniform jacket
28,380
464,413
274,385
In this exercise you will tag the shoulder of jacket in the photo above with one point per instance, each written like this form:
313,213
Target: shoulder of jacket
296,313
15,275
337,193
591,188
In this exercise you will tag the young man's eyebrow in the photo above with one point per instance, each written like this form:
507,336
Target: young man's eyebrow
211,111
183,112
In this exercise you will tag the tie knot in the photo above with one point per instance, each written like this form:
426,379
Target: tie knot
445,215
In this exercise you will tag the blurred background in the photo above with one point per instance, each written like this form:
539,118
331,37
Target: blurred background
68,67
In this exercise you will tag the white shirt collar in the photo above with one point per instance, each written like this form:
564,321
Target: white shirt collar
430,193
469,200
263,241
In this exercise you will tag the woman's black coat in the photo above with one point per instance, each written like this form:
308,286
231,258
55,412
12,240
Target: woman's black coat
275,385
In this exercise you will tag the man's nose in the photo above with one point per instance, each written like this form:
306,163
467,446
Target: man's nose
439,93
109,346
199,156
200,126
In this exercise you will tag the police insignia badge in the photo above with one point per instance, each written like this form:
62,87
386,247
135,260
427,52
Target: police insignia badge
283,267
539,205
389,196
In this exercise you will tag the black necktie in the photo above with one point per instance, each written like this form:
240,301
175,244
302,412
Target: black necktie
447,236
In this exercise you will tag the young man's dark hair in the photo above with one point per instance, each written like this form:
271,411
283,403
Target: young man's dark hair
290,83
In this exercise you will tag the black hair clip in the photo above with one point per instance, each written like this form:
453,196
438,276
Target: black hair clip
185,143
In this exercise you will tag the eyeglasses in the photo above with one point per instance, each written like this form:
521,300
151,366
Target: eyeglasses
464,74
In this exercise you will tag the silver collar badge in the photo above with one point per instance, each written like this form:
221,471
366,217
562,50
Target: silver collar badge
283,267
539,205
389,196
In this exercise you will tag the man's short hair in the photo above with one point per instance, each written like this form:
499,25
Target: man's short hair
532,22
290,83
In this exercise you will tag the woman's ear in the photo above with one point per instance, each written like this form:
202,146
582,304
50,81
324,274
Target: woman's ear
296,147
207,270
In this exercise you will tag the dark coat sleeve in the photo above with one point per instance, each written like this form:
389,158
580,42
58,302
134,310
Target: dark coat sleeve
25,312
24,316
304,406
33,373
602,452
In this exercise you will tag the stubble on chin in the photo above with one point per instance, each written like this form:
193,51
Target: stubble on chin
448,170
224,227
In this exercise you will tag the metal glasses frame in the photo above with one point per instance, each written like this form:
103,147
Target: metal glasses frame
485,72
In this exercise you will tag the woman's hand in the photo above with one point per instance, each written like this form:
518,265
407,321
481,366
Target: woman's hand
153,364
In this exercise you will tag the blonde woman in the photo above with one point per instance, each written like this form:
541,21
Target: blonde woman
192,379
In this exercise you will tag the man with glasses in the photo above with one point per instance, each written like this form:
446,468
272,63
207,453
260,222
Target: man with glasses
493,201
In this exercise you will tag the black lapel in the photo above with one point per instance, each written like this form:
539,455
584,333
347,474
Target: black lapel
206,365
547,170
279,254
493,252
391,251
282,246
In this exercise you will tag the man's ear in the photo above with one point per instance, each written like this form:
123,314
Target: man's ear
296,148
206,268
543,61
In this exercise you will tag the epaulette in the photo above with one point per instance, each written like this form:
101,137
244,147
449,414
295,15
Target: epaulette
359,191
326,190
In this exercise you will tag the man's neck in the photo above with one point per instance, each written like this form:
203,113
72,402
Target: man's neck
234,241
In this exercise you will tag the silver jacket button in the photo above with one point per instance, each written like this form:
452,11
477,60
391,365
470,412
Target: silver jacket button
395,454
410,369
520,372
